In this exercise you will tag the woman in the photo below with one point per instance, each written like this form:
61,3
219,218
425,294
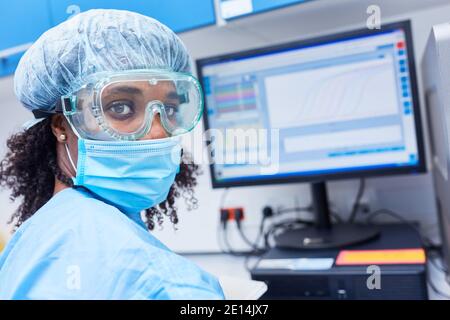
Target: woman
111,93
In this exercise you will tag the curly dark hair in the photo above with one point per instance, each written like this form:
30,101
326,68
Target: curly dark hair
30,167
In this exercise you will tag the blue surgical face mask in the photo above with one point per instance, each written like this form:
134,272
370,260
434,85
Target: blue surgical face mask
130,175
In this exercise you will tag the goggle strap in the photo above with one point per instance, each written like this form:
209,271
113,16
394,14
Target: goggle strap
40,114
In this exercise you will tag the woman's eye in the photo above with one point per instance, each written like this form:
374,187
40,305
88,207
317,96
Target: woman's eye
121,109
170,110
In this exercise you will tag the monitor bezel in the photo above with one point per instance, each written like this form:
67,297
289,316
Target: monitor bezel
420,167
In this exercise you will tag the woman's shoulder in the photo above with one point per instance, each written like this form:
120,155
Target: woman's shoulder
108,248
74,205
77,215
74,221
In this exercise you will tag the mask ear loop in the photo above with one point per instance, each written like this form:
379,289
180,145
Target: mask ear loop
181,160
70,158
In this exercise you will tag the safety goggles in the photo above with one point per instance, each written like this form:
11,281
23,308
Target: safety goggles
125,105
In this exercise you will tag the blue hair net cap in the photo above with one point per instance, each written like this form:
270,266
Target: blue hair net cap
94,41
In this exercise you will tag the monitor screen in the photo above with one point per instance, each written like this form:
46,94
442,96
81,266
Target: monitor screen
237,8
336,107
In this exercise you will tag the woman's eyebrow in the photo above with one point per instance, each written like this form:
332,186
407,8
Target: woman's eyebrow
126,89
172,95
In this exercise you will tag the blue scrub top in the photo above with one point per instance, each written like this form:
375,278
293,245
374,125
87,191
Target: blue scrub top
78,247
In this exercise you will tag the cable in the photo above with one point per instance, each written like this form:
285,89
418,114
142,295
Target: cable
238,217
436,290
294,209
222,231
247,259
441,268
219,238
266,235
222,223
258,251
229,248
391,214
261,229
427,243
357,203
246,240
222,228
336,217
253,245
309,209
284,225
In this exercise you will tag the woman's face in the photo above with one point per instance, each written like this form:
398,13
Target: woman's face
126,105
121,104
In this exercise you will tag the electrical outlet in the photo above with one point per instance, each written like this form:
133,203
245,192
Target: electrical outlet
227,214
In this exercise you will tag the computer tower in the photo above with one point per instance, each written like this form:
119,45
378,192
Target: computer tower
436,72
308,280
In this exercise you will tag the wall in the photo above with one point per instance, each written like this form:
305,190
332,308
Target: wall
13,116
411,196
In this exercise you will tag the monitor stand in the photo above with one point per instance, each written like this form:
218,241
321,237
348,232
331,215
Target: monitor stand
324,235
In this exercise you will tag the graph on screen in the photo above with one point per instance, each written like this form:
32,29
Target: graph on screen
334,93
235,97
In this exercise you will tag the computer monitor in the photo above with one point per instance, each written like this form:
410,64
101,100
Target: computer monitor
436,74
340,106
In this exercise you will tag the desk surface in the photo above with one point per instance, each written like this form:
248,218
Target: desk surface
223,264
